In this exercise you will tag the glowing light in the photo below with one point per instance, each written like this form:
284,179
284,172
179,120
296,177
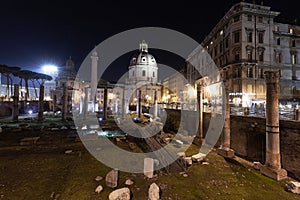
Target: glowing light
48,68
192,92
29,112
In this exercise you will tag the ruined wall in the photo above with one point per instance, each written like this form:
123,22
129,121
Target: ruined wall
290,147
248,140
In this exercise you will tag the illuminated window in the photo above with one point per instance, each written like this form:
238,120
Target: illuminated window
294,59
250,72
260,73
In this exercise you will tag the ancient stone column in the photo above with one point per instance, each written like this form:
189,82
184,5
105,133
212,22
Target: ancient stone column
105,104
138,103
199,136
16,103
272,167
297,114
225,150
94,82
155,105
85,102
54,103
65,103
123,103
41,104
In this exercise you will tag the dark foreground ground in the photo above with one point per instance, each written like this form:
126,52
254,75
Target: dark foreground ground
44,171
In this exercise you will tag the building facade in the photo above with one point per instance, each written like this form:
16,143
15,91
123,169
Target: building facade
66,78
244,44
143,76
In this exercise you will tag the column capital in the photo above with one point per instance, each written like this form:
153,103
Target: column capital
272,76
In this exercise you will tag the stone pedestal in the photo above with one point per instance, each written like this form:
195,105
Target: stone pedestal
272,167
198,140
277,174
227,153
148,167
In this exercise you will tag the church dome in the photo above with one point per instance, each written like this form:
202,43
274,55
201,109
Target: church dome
143,57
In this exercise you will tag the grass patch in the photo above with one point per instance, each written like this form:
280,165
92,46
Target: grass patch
35,172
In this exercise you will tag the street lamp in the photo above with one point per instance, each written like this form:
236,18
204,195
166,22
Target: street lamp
49,68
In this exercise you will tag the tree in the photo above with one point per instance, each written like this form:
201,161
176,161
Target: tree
43,78
25,75
34,77
7,71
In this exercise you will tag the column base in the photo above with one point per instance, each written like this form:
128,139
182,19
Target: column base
277,174
226,153
198,141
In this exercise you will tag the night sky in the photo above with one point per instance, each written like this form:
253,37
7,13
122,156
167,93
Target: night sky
34,33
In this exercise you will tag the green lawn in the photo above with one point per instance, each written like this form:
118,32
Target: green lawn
35,172
26,175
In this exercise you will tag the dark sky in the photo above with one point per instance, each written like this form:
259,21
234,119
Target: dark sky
37,32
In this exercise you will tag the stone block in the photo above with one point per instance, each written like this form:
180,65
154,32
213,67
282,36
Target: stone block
188,160
257,165
293,187
29,140
277,174
111,178
198,157
120,194
148,167
153,192
226,153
